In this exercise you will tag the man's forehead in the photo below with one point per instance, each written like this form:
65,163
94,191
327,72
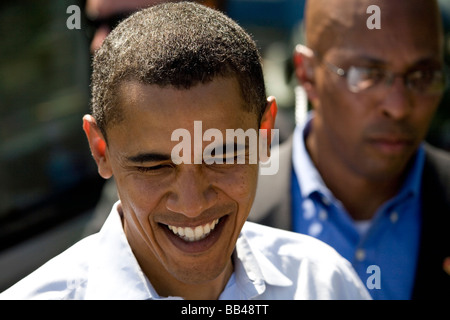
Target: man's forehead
152,108
222,94
386,50
331,23
351,11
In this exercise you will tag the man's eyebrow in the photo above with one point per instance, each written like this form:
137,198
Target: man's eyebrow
426,60
157,157
148,157
369,60
234,147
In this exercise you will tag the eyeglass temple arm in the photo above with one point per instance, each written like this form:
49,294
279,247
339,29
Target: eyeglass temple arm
308,52
339,71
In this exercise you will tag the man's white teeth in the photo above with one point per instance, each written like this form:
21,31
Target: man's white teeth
198,233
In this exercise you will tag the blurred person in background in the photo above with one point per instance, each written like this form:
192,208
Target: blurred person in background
45,167
104,15
357,173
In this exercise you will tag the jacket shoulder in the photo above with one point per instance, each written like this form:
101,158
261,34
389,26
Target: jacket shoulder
432,281
437,171
438,158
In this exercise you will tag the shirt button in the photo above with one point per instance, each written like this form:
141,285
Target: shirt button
308,209
323,215
394,217
325,201
315,229
360,254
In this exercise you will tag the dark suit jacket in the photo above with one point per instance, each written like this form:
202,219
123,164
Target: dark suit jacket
272,206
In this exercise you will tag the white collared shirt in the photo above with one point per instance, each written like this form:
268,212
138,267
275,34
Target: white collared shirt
268,264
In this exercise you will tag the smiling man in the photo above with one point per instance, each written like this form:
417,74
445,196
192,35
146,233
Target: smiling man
179,230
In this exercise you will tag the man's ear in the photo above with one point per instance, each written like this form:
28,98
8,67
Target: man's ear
98,146
267,124
304,70
270,114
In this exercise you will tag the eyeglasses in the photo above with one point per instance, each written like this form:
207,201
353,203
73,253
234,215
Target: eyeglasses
424,82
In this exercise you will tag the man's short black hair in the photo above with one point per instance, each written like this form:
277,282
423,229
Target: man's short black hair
175,44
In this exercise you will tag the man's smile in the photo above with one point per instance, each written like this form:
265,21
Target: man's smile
194,234
195,238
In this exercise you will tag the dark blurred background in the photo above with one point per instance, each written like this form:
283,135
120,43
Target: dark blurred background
49,184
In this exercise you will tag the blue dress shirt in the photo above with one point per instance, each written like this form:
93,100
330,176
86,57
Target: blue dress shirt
384,250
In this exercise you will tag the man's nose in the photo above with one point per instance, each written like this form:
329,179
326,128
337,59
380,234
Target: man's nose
398,102
192,193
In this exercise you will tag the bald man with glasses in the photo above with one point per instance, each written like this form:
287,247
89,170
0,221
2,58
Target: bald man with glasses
357,173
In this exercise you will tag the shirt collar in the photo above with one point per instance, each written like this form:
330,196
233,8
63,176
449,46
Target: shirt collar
116,274
253,270
309,179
